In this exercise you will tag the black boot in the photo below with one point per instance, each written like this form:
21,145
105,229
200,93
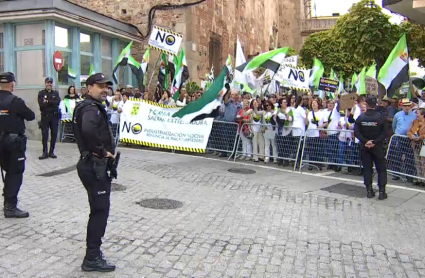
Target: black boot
43,156
370,192
11,211
94,261
382,194
52,155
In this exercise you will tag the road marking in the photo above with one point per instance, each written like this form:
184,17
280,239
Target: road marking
324,175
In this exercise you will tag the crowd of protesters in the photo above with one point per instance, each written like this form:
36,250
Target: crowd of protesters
273,128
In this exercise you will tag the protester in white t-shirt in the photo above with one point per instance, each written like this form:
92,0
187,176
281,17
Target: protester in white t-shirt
299,118
314,144
331,114
115,104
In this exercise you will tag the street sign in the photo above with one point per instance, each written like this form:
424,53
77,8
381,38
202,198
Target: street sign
58,61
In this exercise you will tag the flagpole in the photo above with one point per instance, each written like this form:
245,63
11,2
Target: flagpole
267,90
154,69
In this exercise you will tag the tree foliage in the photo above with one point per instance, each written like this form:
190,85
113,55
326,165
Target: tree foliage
359,38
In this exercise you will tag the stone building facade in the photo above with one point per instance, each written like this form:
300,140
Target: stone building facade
210,29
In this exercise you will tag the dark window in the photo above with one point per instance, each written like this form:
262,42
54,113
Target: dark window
215,53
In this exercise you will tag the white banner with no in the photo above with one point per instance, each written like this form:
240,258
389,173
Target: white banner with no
151,124
293,77
165,40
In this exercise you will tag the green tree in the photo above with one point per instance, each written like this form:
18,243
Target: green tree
361,37
415,40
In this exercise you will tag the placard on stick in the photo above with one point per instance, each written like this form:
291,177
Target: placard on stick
371,86
328,85
347,101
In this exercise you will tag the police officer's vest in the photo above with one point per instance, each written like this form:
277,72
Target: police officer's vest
9,119
76,126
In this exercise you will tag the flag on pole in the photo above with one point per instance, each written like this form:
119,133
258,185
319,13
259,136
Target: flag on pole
266,60
353,81
91,71
163,71
361,83
229,68
179,63
144,65
125,59
333,75
71,73
395,71
316,73
207,106
371,72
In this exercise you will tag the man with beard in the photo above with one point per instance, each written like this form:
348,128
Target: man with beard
49,100
96,145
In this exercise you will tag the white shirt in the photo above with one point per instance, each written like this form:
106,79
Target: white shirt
357,113
299,121
267,119
313,128
332,120
257,121
115,116
344,136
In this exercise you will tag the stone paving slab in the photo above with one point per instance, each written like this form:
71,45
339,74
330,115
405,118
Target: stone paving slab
230,225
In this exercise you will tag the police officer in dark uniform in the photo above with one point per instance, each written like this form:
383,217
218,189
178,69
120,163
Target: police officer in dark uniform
13,142
49,100
96,144
371,129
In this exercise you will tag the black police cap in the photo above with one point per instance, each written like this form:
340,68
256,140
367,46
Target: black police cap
7,77
48,79
98,78
372,100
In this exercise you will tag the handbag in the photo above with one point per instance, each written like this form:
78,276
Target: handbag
247,132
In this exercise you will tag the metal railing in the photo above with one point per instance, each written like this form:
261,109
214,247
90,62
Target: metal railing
66,130
223,138
313,148
330,147
269,144
404,157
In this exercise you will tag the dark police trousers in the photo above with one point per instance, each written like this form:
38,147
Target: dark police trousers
12,160
369,157
98,186
49,121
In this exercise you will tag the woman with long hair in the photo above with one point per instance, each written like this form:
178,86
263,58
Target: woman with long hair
166,99
284,140
243,119
257,129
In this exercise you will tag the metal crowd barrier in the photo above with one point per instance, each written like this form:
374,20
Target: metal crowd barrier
261,142
223,138
116,133
330,147
404,159
66,130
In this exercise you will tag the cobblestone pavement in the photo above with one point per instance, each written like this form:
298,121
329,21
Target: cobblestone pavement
270,224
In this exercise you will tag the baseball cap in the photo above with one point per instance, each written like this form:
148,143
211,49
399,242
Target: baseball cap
48,79
371,100
98,78
7,77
